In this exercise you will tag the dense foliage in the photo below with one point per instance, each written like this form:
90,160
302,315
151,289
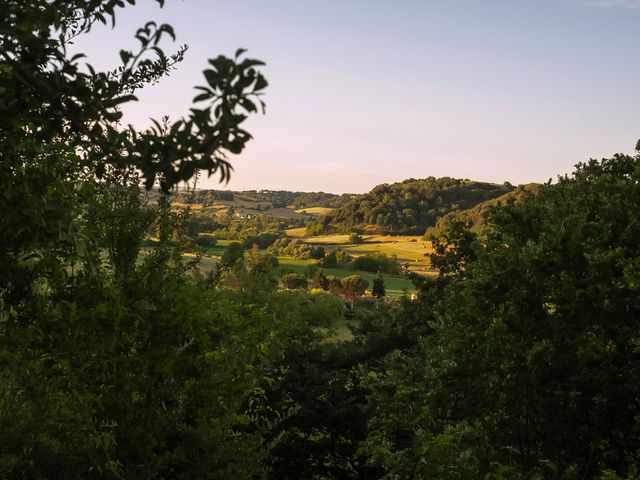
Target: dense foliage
244,229
409,207
296,248
529,367
521,359
375,262
276,198
109,362
475,218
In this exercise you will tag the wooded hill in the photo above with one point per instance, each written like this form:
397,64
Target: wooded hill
277,198
475,218
411,206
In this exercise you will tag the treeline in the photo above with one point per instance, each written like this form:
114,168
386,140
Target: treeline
475,218
242,269
408,207
261,230
369,262
277,198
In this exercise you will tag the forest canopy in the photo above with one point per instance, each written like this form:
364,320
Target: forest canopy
409,207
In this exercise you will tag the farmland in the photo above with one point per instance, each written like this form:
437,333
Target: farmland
396,285
410,250
246,216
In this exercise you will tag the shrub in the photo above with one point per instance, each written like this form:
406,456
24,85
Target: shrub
375,262
355,239
294,281
206,241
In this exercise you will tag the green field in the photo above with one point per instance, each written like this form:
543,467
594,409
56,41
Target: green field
410,250
250,208
315,210
396,285
296,232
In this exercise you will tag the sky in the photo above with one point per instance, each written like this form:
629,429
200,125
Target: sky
364,92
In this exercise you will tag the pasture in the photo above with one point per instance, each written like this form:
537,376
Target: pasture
316,211
246,207
409,250
395,285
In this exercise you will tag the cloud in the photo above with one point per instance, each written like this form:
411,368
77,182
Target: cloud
610,4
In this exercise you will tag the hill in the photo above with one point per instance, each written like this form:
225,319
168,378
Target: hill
411,206
272,198
476,217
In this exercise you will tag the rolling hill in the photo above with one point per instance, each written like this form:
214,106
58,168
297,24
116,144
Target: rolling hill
476,217
411,206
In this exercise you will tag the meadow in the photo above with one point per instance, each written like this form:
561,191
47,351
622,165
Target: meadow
395,285
315,210
410,250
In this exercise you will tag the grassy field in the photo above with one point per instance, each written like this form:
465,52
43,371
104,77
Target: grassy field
246,207
409,250
181,206
335,239
315,210
296,232
395,285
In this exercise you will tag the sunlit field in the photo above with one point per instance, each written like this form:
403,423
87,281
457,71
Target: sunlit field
395,285
410,250
315,210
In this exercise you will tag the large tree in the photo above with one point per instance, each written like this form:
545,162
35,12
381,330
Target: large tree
530,368
113,364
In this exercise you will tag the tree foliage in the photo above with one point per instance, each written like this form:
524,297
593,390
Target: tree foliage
531,370
409,207
520,360
475,218
378,290
109,355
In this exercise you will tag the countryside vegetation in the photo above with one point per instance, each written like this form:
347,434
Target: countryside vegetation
430,329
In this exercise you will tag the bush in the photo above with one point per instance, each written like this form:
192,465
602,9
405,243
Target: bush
355,239
263,240
314,228
206,241
343,257
291,248
375,262
329,260
294,281
317,253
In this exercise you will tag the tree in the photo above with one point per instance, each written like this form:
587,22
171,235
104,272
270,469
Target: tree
531,369
233,254
378,289
314,228
206,241
294,281
317,253
110,358
355,238
330,260
352,287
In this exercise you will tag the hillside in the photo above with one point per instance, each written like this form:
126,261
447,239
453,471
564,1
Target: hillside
268,198
411,206
476,217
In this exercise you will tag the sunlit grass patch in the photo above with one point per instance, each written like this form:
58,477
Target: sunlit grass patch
296,232
315,210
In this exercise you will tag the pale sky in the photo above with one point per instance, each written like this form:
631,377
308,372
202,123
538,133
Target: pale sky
364,92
